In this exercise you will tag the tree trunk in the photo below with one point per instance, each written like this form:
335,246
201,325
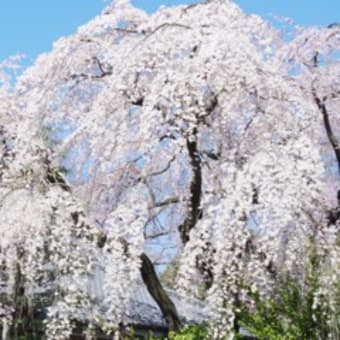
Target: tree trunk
158,293
320,103
21,314
195,189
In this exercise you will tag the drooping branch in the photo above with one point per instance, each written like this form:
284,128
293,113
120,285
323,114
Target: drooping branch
148,272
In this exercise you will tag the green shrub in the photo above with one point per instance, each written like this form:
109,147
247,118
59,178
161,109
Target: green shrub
289,313
189,332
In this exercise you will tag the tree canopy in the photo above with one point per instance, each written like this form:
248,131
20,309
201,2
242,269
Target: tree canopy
198,133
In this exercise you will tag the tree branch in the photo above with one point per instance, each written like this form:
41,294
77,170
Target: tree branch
322,108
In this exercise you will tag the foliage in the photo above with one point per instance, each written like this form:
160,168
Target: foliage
168,276
190,332
291,312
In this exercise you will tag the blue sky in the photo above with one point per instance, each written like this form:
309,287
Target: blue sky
31,26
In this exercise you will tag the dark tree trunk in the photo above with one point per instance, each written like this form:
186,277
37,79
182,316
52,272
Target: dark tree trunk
21,314
158,293
328,127
195,189
320,103
154,287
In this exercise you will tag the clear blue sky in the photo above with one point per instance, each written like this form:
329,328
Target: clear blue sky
30,26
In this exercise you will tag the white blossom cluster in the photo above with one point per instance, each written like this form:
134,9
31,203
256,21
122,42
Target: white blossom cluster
121,258
47,240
